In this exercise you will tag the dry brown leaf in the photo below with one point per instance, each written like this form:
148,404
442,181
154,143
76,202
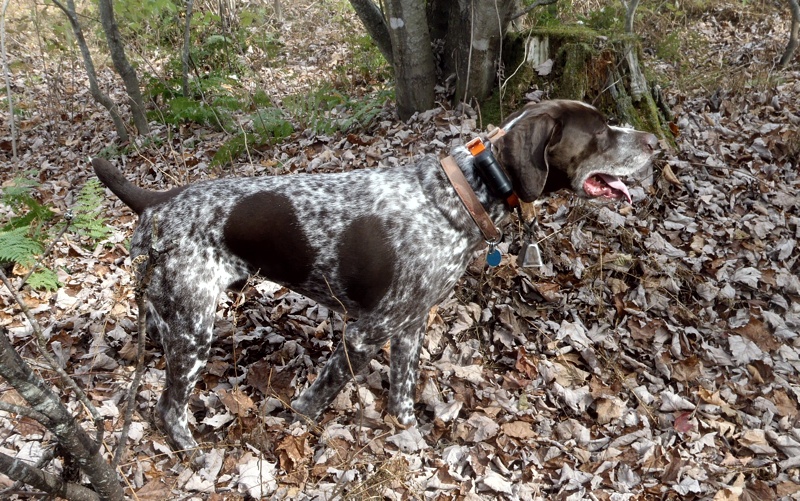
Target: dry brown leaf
518,429
237,402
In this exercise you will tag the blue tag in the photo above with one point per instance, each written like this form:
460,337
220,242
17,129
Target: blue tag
493,258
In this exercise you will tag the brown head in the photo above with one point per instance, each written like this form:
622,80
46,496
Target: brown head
569,144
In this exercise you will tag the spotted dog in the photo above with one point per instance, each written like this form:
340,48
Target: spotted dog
384,244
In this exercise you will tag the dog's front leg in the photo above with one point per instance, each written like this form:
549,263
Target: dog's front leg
185,332
362,340
404,374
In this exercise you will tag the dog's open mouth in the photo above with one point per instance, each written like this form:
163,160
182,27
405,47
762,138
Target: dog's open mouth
606,185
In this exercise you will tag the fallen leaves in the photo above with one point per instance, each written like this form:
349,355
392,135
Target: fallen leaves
654,355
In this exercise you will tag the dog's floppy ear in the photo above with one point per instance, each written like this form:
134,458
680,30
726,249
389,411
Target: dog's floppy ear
523,153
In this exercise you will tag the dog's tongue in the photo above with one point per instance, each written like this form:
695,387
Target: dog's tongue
615,183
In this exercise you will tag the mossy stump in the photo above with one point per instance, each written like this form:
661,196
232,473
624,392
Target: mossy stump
574,62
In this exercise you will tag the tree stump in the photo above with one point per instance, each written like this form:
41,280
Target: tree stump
575,62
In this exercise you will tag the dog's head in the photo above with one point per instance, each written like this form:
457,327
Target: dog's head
568,144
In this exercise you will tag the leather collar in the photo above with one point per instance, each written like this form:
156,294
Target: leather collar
491,234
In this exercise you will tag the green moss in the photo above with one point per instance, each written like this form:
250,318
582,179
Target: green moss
587,66
573,82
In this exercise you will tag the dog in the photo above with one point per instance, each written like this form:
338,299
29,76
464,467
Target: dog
384,245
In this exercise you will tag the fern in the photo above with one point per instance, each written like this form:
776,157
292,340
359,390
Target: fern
269,126
18,196
89,221
17,247
44,278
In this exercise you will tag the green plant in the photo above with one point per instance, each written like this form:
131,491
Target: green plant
88,220
186,109
366,64
607,19
268,127
17,195
326,111
23,237
150,22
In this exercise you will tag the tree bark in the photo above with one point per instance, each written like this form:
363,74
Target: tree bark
415,73
98,95
375,24
475,46
61,423
21,471
794,36
437,39
122,65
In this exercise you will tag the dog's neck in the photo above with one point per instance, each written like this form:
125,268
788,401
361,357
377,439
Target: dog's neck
495,207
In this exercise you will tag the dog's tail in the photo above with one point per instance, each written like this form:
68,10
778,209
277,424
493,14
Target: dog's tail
138,199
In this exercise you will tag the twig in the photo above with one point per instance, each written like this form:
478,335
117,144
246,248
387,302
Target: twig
344,347
141,302
27,412
52,484
11,119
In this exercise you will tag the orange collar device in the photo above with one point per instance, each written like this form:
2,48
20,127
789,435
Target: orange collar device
491,173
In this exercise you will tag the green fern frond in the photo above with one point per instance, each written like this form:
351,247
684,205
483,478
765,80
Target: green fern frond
44,278
18,195
17,247
89,221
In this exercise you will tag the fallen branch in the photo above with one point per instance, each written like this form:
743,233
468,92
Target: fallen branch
23,472
61,424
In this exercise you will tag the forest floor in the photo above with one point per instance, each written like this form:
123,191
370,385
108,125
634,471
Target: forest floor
655,355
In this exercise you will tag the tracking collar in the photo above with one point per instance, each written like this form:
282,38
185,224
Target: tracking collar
495,178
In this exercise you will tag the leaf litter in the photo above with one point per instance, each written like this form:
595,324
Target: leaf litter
655,355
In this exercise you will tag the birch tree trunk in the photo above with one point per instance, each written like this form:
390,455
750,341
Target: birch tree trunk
122,65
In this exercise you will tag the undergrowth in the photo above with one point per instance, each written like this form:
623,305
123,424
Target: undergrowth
24,237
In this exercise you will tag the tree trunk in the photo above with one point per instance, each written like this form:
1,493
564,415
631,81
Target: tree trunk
94,89
467,35
375,24
415,73
473,46
61,423
186,47
794,36
121,64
